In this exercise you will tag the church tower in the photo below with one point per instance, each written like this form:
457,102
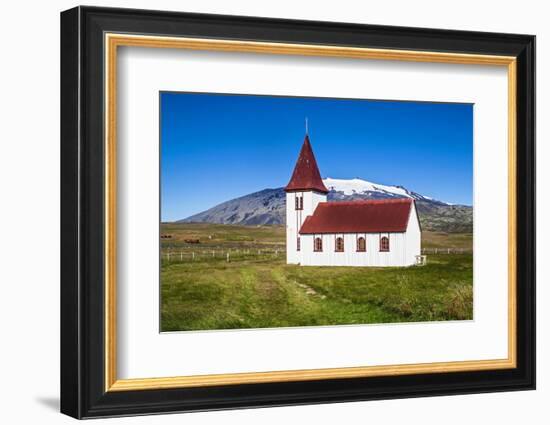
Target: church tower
303,192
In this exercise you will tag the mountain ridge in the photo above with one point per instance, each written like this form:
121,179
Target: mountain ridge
267,206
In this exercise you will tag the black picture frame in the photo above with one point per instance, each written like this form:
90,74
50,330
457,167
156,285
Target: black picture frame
82,212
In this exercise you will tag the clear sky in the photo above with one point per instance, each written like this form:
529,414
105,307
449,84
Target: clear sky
217,147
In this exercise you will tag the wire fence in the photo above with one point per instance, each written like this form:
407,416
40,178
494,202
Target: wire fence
172,255
447,251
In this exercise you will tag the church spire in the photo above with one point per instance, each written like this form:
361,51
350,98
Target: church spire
306,174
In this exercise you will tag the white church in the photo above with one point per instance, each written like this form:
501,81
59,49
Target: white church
356,233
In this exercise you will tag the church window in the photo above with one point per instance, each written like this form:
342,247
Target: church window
339,244
384,243
317,245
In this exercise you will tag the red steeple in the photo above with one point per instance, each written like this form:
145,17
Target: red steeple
306,174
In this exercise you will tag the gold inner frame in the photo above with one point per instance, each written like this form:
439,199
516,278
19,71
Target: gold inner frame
113,41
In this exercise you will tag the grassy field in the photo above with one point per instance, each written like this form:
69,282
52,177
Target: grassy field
257,289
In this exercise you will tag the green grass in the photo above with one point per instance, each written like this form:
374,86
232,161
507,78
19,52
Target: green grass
258,291
447,240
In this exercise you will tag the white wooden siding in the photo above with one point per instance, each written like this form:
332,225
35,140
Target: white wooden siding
413,237
350,257
295,219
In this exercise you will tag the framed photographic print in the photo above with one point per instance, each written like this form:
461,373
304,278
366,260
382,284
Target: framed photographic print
261,212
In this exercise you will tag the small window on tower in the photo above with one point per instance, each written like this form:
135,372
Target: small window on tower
299,203
298,244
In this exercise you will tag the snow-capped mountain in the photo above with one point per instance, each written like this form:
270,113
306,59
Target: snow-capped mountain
373,190
268,206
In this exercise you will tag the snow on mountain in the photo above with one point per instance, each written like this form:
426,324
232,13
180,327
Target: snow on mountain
349,187
360,187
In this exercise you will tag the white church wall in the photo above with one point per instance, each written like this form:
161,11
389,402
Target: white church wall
413,238
311,200
397,255
295,219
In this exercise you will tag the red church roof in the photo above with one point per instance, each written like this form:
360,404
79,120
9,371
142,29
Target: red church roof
306,174
388,215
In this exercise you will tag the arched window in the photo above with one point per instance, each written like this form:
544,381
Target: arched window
361,244
317,245
339,244
298,243
384,243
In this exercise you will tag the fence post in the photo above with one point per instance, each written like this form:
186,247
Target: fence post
212,254
448,250
436,250
228,257
181,256
193,259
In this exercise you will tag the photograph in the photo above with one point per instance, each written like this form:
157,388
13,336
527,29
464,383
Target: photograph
281,212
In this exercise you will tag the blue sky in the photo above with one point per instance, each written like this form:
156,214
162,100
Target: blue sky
217,147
